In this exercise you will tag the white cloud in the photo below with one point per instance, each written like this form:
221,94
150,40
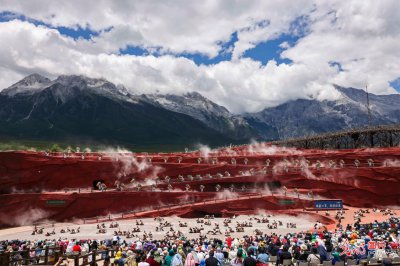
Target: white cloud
362,36
284,45
173,26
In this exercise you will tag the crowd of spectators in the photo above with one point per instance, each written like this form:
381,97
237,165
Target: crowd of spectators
373,242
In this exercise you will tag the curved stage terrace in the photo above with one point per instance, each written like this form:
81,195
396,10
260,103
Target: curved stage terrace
36,186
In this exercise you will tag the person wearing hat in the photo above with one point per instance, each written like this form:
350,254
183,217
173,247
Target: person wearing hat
303,252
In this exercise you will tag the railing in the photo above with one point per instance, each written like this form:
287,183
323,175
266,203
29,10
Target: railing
375,136
50,255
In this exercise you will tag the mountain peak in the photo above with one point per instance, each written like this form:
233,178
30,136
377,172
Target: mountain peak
350,91
29,84
62,85
34,78
68,85
195,95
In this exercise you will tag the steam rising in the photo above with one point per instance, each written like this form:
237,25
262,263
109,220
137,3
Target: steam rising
127,164
27,217
268,149
391,163
204,150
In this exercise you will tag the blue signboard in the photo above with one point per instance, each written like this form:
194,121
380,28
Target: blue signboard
328,204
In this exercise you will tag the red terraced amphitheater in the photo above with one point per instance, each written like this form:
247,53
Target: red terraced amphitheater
223,182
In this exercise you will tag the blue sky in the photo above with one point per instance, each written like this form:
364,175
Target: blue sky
396,84
270,50
224,55
75,33
262,52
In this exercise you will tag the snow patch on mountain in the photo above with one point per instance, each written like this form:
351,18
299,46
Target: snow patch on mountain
201,108
28,85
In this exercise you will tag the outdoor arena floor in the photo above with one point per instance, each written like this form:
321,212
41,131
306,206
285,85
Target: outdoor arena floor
89,231
304,222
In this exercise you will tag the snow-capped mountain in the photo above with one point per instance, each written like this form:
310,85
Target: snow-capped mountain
63,86
201,108
94,110
28,85
67,87
76,107
380,105
305,117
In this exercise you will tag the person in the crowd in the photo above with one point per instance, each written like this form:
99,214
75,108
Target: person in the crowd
323,254
378,239
143,261
238,261
177,260
118,255
314,257
169,257
191,258
380,253
335,257
303,253
151,261
211,261
284,255
122,260
263,257
131,258
249,260
219,256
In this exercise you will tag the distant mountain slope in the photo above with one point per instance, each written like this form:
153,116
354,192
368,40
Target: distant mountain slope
79,108
305,117
210,113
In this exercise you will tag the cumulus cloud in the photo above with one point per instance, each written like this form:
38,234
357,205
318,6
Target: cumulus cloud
177,26
359,36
